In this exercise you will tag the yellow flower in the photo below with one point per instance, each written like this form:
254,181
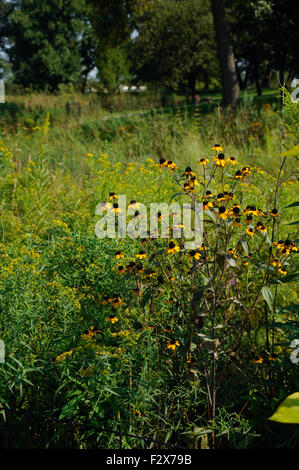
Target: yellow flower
204,161
112,196
112,319
217,148
220,160
261,227
141,255
250,231
207,205
173,248
232,160
172,345
171,165
282,271
223,213
257,360
119,254
194,254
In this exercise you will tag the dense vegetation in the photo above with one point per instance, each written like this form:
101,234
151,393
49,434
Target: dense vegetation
190,347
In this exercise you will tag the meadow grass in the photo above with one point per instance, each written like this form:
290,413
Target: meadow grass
88,348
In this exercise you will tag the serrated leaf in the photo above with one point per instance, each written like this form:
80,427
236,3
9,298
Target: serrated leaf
288,410
268,296
245,246
293,152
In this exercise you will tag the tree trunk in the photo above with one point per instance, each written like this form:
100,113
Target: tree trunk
230,84
257,81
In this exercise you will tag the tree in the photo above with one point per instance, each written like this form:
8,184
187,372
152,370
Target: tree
43,41
229,77
113,68
265,38
175,44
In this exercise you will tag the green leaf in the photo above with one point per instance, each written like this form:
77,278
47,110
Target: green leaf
293,152
268,296
288,410
294,223
286,279
294,204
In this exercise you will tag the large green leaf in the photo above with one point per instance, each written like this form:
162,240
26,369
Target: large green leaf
288,410
293,152
268,296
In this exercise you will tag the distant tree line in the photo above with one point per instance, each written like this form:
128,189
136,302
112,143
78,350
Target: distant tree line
174,43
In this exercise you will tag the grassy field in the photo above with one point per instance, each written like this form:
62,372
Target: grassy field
188,347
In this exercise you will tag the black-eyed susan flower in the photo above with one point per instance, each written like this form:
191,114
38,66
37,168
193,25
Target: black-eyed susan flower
160,217
274,212
235,210
171,165
220,197
141,255
163,162
151,273
116,209
250,210
272,358
232,160
112,319
204,161
229,195
134,204
232,252
282,271
116,301
237,222
120,269
173,248
112,196
188,187
131,266
250,231
239,175
222,213
119,254
167,329
261,213
194,254
257,360
105,300
188,172
140,268
217,148
220,160
207,205
249,219
246,171
261,227
209,194
194,181
173,345
137,414
276,262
